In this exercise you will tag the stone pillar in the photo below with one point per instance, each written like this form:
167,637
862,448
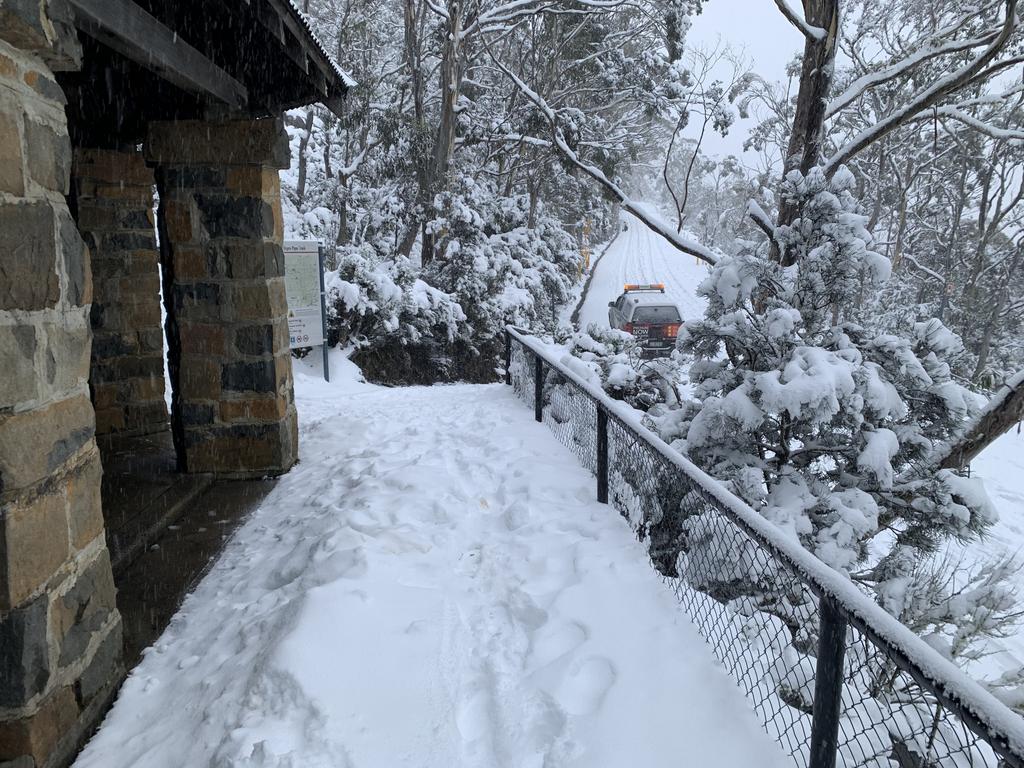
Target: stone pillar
232,408
60,633
114,204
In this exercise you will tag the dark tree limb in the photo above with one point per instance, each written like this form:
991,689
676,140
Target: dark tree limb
1004,410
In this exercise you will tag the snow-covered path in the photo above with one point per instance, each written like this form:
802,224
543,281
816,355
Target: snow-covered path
639,256
432,586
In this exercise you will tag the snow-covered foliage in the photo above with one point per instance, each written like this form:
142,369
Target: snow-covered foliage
815,415
498,265
612,359
372,300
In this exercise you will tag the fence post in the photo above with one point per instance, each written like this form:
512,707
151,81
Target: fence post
828,685
602,455
538,387
508,357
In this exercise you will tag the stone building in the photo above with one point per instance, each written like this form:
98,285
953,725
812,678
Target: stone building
104,104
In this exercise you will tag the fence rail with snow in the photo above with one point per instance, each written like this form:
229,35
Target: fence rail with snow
833,677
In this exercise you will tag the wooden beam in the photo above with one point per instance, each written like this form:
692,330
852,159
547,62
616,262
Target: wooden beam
131,31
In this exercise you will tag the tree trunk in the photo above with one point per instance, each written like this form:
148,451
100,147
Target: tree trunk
805,139
300,187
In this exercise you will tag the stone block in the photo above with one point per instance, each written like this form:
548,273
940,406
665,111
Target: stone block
260,300
249,218
18,345
96,215
253,409
12,175
34,444
128,194
233,142
24,653
252,260
8,69
197,414
38,736
151,340
189,263
141,288
255,181
76,262
85,512
198,301
110,420
113,167
23,25
66,355
202,338
256,376
255,340
49,155
33,543
150,416
104,667
28,257
45,86
194,177
283,370
178,221
140,314
151,387
114,343
241,449
129,241
200,377
82,611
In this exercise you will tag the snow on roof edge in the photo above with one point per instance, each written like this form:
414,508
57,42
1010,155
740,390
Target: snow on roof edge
1003,724
344,76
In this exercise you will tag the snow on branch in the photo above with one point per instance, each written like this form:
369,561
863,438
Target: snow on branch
931,96
858,87
651,220
761,219
992,131
798,21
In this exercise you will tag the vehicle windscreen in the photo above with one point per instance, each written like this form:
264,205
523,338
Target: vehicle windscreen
656,315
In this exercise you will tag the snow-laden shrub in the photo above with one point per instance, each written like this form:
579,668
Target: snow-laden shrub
612,359
391,316
499,265
815,416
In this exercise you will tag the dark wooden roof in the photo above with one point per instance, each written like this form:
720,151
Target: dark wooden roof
181,59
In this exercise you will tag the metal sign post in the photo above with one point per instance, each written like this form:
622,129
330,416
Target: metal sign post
323,315
304,286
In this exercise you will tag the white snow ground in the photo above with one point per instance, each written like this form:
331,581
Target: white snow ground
1001,467
432,586
640,256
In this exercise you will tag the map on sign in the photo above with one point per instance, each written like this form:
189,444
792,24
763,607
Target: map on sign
302,286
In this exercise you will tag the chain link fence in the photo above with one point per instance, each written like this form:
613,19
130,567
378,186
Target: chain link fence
832,677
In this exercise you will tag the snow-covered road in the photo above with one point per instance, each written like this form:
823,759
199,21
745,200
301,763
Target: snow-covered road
432,586
639,256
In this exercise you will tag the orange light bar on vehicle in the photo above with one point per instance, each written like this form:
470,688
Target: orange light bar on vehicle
641,287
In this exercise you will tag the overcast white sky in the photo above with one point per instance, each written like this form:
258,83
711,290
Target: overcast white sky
756,28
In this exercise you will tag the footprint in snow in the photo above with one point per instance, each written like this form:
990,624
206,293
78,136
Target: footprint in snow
555,640
585,685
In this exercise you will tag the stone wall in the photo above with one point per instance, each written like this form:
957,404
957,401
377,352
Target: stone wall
60,633
113,193
221,229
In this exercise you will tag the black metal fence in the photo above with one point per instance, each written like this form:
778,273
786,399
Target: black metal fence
835,679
